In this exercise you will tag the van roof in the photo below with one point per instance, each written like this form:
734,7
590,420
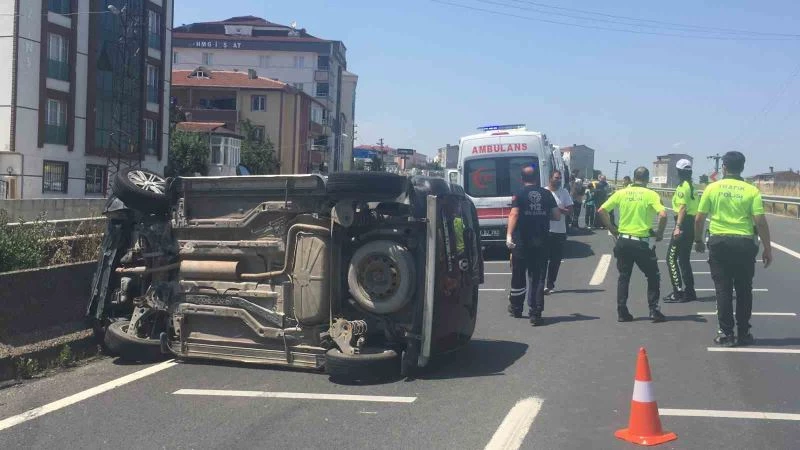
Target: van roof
514,132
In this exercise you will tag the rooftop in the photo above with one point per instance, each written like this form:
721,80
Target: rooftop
253,28
224,79
205,127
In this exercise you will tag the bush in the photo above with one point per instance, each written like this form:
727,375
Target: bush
22,246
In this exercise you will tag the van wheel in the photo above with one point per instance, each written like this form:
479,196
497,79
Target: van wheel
142,189
381,276
366,186
131,348
372,363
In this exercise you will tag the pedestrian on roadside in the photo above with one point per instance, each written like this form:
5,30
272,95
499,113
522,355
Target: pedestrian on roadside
558,232
626,181
578,191
602,193
736,209
638,206
591,209
684,202
533,207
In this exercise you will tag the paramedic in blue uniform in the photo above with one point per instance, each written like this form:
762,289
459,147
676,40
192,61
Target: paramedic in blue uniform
533,207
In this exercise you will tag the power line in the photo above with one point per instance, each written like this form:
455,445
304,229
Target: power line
621,30
658,22
616,168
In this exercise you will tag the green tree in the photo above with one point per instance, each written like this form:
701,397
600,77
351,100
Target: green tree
377,164
258,155
188,153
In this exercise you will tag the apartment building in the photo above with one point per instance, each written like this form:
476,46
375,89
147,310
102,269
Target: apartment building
312,65
84,88
291,118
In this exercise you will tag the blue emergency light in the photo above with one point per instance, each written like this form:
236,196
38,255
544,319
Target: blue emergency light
502,127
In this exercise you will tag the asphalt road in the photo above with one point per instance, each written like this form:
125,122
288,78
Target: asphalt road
579,367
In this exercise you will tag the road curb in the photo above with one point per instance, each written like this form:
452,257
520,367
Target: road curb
45,355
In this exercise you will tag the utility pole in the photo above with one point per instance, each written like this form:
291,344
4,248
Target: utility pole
716,159
616,168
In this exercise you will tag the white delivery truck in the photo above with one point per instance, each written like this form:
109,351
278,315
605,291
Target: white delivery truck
489,168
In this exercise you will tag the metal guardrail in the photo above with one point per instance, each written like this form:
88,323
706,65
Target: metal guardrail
773,200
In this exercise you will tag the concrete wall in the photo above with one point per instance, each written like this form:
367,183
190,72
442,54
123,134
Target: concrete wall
65,208
41,298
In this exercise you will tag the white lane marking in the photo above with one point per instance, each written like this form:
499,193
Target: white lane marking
754,350
295,395
713,290
601,271
779,314
80,396
492,290
515,426
788,251
497,273
728,414
496,262
691,260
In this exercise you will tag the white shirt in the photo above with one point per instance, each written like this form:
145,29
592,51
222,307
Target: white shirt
564,200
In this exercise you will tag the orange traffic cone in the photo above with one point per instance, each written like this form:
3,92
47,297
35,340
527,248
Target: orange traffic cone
644,426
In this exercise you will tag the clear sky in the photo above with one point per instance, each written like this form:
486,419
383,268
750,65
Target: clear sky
430,72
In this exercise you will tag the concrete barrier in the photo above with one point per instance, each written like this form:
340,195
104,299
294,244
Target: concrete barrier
35,299
54,208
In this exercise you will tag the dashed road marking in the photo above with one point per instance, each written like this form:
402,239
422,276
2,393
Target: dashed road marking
728,414
295,395
754,350
80,396
515,426
691,260
778,314
714,290
601,271
491,290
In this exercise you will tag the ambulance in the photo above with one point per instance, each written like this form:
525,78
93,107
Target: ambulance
489,168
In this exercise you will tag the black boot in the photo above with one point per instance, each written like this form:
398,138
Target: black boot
623,315
514,312
656,316
675,297
724,339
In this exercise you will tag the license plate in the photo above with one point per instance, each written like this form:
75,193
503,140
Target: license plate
491,232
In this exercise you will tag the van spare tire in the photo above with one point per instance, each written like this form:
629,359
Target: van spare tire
381,276
142,190
366,186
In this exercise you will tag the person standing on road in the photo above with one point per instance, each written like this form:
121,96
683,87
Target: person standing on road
601,192
577,192
638,207
684,202
734,207
591,208
558,232
626,181
528,230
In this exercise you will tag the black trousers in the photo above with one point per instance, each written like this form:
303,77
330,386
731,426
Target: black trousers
629,253
591,212
528,262
679,258
733,265
555,254
576,213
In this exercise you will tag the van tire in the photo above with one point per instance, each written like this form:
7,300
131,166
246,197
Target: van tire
373,363
382,299
142,189
131,348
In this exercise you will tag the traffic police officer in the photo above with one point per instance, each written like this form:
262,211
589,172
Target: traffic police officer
638,207
684,202
533,207
734,207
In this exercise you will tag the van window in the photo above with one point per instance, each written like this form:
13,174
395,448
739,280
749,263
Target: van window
495,177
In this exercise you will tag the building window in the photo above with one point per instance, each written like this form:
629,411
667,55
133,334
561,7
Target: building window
299,62
59,6
225,151
263,61
55,122
316,115
154,29
150,141
258,103
298,86
175,58
208,59
152,84
216,150
54,177
322,90
323,63
259,133
95,179
57,62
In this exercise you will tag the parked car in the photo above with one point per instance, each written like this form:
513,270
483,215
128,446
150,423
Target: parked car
362,274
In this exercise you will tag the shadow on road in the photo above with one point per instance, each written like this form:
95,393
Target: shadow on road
480,358
576,250
686,318
575,317
577,291
777,342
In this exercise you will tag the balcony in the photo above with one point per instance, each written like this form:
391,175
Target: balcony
322,76
316,129
58,70
55,134
59,6
211,115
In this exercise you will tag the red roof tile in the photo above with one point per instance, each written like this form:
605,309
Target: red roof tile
204,127
226,79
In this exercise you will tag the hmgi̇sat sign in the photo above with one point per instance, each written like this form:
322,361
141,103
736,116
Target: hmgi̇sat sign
499,148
